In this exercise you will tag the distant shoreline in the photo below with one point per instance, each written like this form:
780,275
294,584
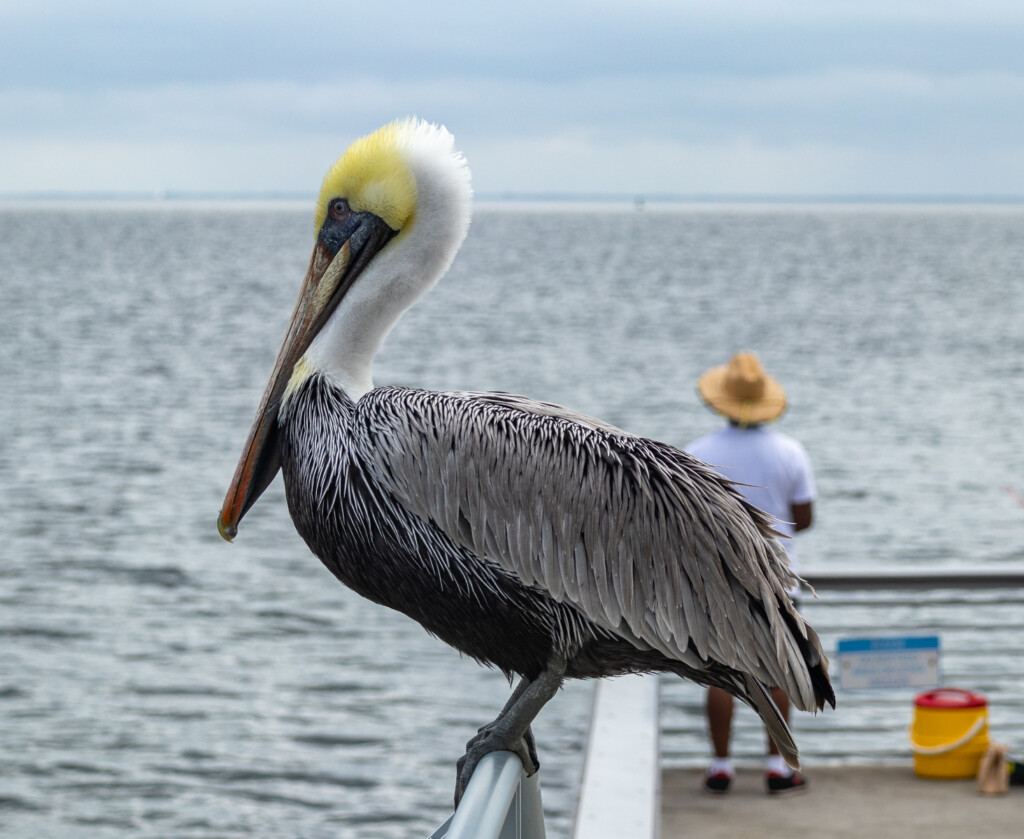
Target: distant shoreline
534,198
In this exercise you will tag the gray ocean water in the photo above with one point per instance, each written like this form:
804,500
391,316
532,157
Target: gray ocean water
157,682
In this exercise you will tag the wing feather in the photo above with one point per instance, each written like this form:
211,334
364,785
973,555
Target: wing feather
640,537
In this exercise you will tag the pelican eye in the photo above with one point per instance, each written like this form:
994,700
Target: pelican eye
339,210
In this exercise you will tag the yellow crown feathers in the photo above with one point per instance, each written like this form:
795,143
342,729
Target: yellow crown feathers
373,176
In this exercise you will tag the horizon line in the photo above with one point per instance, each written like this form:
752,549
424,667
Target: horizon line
510,196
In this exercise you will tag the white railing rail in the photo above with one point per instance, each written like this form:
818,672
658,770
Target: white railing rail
500,802
873,579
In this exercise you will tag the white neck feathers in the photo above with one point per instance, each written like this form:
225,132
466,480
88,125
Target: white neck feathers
404,269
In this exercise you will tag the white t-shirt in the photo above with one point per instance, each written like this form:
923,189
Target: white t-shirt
774,465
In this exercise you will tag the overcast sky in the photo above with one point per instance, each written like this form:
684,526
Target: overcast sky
902,97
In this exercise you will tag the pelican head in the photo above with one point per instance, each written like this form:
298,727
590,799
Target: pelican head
391,215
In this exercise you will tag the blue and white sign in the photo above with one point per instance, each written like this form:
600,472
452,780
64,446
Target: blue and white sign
892,662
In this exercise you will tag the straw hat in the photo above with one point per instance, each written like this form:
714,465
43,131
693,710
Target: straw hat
742,391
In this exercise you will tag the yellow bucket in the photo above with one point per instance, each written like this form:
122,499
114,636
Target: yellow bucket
949,734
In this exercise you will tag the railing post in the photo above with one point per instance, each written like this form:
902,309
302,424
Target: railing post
531,810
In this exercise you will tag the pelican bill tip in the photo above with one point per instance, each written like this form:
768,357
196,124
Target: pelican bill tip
227,532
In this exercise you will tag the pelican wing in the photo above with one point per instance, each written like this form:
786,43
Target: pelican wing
642,538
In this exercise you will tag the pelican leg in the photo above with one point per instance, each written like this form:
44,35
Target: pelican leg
511,730
483,730
531,747
528,738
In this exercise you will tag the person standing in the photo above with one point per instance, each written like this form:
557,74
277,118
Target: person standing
773,472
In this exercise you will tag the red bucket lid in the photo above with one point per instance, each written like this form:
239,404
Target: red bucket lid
950,698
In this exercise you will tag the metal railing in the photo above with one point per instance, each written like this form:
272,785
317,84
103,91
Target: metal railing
979,577
500,802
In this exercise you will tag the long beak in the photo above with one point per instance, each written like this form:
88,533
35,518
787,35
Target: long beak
261,457
327,280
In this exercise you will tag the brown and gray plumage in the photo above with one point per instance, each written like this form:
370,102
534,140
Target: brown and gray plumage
532,538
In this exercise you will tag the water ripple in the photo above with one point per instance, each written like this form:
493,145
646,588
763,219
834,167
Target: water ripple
13,802
231,776
335,740
46,633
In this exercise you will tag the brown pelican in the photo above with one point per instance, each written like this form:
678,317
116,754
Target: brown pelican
532,538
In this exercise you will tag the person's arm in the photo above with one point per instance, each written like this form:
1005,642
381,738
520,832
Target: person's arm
803,515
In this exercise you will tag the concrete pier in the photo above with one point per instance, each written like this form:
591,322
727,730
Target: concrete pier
840,803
